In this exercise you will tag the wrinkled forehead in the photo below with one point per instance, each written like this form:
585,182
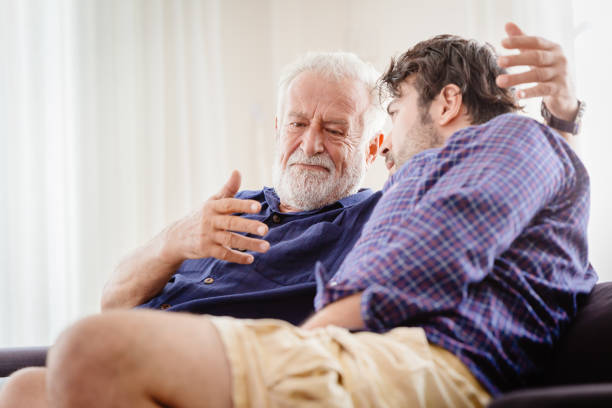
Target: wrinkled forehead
316,93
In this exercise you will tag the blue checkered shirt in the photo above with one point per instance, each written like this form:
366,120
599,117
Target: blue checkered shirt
483,244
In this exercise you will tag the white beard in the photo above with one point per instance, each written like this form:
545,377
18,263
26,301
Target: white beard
310,189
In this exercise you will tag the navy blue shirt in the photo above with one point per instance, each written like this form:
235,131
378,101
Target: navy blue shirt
279,283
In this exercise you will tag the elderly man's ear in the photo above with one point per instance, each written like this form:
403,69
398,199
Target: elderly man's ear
373,146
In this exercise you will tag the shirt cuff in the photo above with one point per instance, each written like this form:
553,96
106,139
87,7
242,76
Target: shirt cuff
374,309
322,298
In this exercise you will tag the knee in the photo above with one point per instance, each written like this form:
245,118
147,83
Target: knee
86,356
24,388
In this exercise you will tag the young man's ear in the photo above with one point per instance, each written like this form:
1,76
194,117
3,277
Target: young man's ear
449,104
373,147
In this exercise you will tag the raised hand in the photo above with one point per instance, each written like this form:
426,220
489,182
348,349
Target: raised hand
212,230
549,72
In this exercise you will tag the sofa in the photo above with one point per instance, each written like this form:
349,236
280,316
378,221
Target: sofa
580,372
579,375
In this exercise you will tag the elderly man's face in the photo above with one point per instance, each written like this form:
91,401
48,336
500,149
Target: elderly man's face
321,157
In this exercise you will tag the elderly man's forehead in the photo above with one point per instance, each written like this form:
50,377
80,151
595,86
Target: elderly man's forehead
345,93
298,114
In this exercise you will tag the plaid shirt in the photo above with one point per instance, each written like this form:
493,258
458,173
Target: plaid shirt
483,244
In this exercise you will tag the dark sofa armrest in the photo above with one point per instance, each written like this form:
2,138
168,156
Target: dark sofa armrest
12,359
569,396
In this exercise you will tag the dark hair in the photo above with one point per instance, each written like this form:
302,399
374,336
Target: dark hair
449,59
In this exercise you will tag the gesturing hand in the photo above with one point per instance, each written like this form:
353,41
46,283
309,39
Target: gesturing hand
548,70
212,230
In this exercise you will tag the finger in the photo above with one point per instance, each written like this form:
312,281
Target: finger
231,187
237,241
533,58
524,42
239,224
543,89
230,255
513,30
235,205
533,75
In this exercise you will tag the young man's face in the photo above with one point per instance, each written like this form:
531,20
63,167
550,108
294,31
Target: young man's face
413,128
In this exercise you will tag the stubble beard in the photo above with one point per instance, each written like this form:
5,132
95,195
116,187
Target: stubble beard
420,137
309,189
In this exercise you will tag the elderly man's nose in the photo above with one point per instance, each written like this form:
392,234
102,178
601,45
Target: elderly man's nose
312,142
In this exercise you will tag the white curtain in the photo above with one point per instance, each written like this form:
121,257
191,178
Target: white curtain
118,116
112,124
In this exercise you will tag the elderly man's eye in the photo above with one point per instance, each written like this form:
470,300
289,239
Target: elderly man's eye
335,132
297,124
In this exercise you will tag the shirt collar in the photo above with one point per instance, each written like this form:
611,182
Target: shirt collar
356,198
273,201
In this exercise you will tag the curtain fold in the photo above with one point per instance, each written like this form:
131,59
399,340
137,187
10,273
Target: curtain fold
112,126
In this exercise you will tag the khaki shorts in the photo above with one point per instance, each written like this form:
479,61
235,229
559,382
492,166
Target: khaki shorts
275,364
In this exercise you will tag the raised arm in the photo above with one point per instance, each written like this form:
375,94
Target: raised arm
207,232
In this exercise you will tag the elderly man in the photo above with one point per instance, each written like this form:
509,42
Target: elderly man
144,358
211,262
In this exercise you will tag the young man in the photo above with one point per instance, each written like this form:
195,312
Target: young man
478,223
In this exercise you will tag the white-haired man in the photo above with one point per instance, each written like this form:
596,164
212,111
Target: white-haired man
328,114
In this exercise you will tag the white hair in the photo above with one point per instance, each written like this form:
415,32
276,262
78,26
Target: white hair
338,65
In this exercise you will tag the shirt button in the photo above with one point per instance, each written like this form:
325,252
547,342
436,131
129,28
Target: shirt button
208,281
333,283
276,219
164,306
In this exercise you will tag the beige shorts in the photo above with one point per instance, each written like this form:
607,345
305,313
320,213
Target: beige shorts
275,364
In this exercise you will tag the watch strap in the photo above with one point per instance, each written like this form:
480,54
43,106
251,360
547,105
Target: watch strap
567,126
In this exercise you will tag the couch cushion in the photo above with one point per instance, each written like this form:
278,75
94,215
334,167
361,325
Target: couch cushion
584,353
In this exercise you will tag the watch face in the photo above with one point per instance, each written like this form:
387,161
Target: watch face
545,112
581,108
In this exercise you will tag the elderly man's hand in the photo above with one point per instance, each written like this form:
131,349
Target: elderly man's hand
549,71
212,230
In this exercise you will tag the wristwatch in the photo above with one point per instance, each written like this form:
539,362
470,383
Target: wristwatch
567,126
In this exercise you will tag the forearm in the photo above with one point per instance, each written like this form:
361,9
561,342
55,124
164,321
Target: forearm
345,313
139,277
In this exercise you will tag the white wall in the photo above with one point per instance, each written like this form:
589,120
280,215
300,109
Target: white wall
593,67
